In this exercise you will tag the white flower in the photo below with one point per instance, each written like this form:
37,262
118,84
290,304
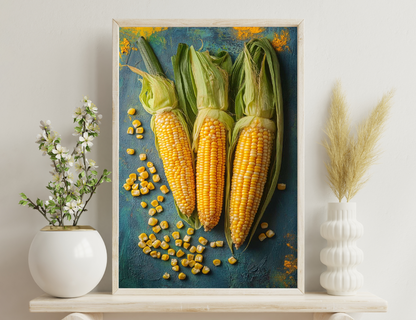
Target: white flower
92,164
88,118
61,152
40,138
96,128
50,138
78,113
70,160
93,108
74,190
70,177
71,206
56,177
44,150
80,204
45,125
87,103
99,117
79,166
78,150
86,140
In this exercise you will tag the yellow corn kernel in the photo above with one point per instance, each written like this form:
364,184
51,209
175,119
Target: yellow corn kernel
171,252
136,123
205,270
158,255
232,260
216,262
187,238
202,241
165,257
173,262
182,276
159,209
149,243
135,186
144,190
144,175
130,130
151,186
281,186
144,184
175,268
160,198
199,258
150,164
156,229
167,238
180,253
152,222
195,271
154,203
212,244
262,236
130,181
152,211
139,136
147,250
184,262
152,237
178,243
176,235
141,244
190,256
143,204
127,186
186,245
133,176
164,225
141,169
156,244
200,249
164,245
153,254
152,169
156,178
130,151
179,224
139,130
131,111
190,231
140,179
270,233
164,189
219,243
142,157
191,263
264,225
198,266
166,275
135,193
143,237
192,249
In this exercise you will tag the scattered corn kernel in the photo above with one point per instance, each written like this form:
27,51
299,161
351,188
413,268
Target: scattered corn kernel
192,249
176,235
264,225
135,193
202,241
151,186
150,164
232,260
153,221
154,203
164,245
185,262
186,238
200,249
135,186
164,189
152,211
156,244
199,258
190,231
171,252
141,169
281,186
152,237
262,236
173,262
144,184
190,256
175,268
153,254
156,229
141,244
160,198
147,250
198,266
143,204
212,244
270,233
144,190
130,130
178,243
142,156
139,130
158,255
166,275
130,151
144,175
186,245
180,253
133,176
167,238
205,270
219,243
140,179
165,257
182,276
127,186
216,262
164,225
191,263
131,111
139,136
195,271
156,178
143,237
130,181
152,169
179,224
136,123
149,243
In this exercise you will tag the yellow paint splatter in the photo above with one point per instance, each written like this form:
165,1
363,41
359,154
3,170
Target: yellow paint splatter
244,33
280,41
290,264
124,46
144,31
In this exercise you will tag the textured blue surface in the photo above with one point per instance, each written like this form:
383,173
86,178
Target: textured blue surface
267,264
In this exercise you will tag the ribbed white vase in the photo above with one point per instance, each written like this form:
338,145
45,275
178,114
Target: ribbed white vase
341,256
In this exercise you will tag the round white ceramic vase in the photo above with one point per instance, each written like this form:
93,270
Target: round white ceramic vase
67,263
341,256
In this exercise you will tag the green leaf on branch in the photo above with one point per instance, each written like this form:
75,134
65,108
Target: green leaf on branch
94,172
23,196
107,179
23,202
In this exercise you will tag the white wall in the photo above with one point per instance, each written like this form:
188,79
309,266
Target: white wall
54,52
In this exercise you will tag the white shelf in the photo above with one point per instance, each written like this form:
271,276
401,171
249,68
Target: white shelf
309,302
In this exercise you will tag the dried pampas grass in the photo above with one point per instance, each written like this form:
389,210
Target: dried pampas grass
350,157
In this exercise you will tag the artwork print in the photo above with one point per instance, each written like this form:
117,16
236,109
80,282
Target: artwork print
271,263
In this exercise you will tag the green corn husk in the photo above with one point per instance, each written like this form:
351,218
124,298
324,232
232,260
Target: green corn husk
256,89
158,95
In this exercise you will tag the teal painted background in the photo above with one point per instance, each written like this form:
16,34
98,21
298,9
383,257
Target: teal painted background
268,264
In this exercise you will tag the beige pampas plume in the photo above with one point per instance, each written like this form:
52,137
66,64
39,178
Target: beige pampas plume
350,157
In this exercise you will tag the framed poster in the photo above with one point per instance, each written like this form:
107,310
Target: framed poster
272,266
